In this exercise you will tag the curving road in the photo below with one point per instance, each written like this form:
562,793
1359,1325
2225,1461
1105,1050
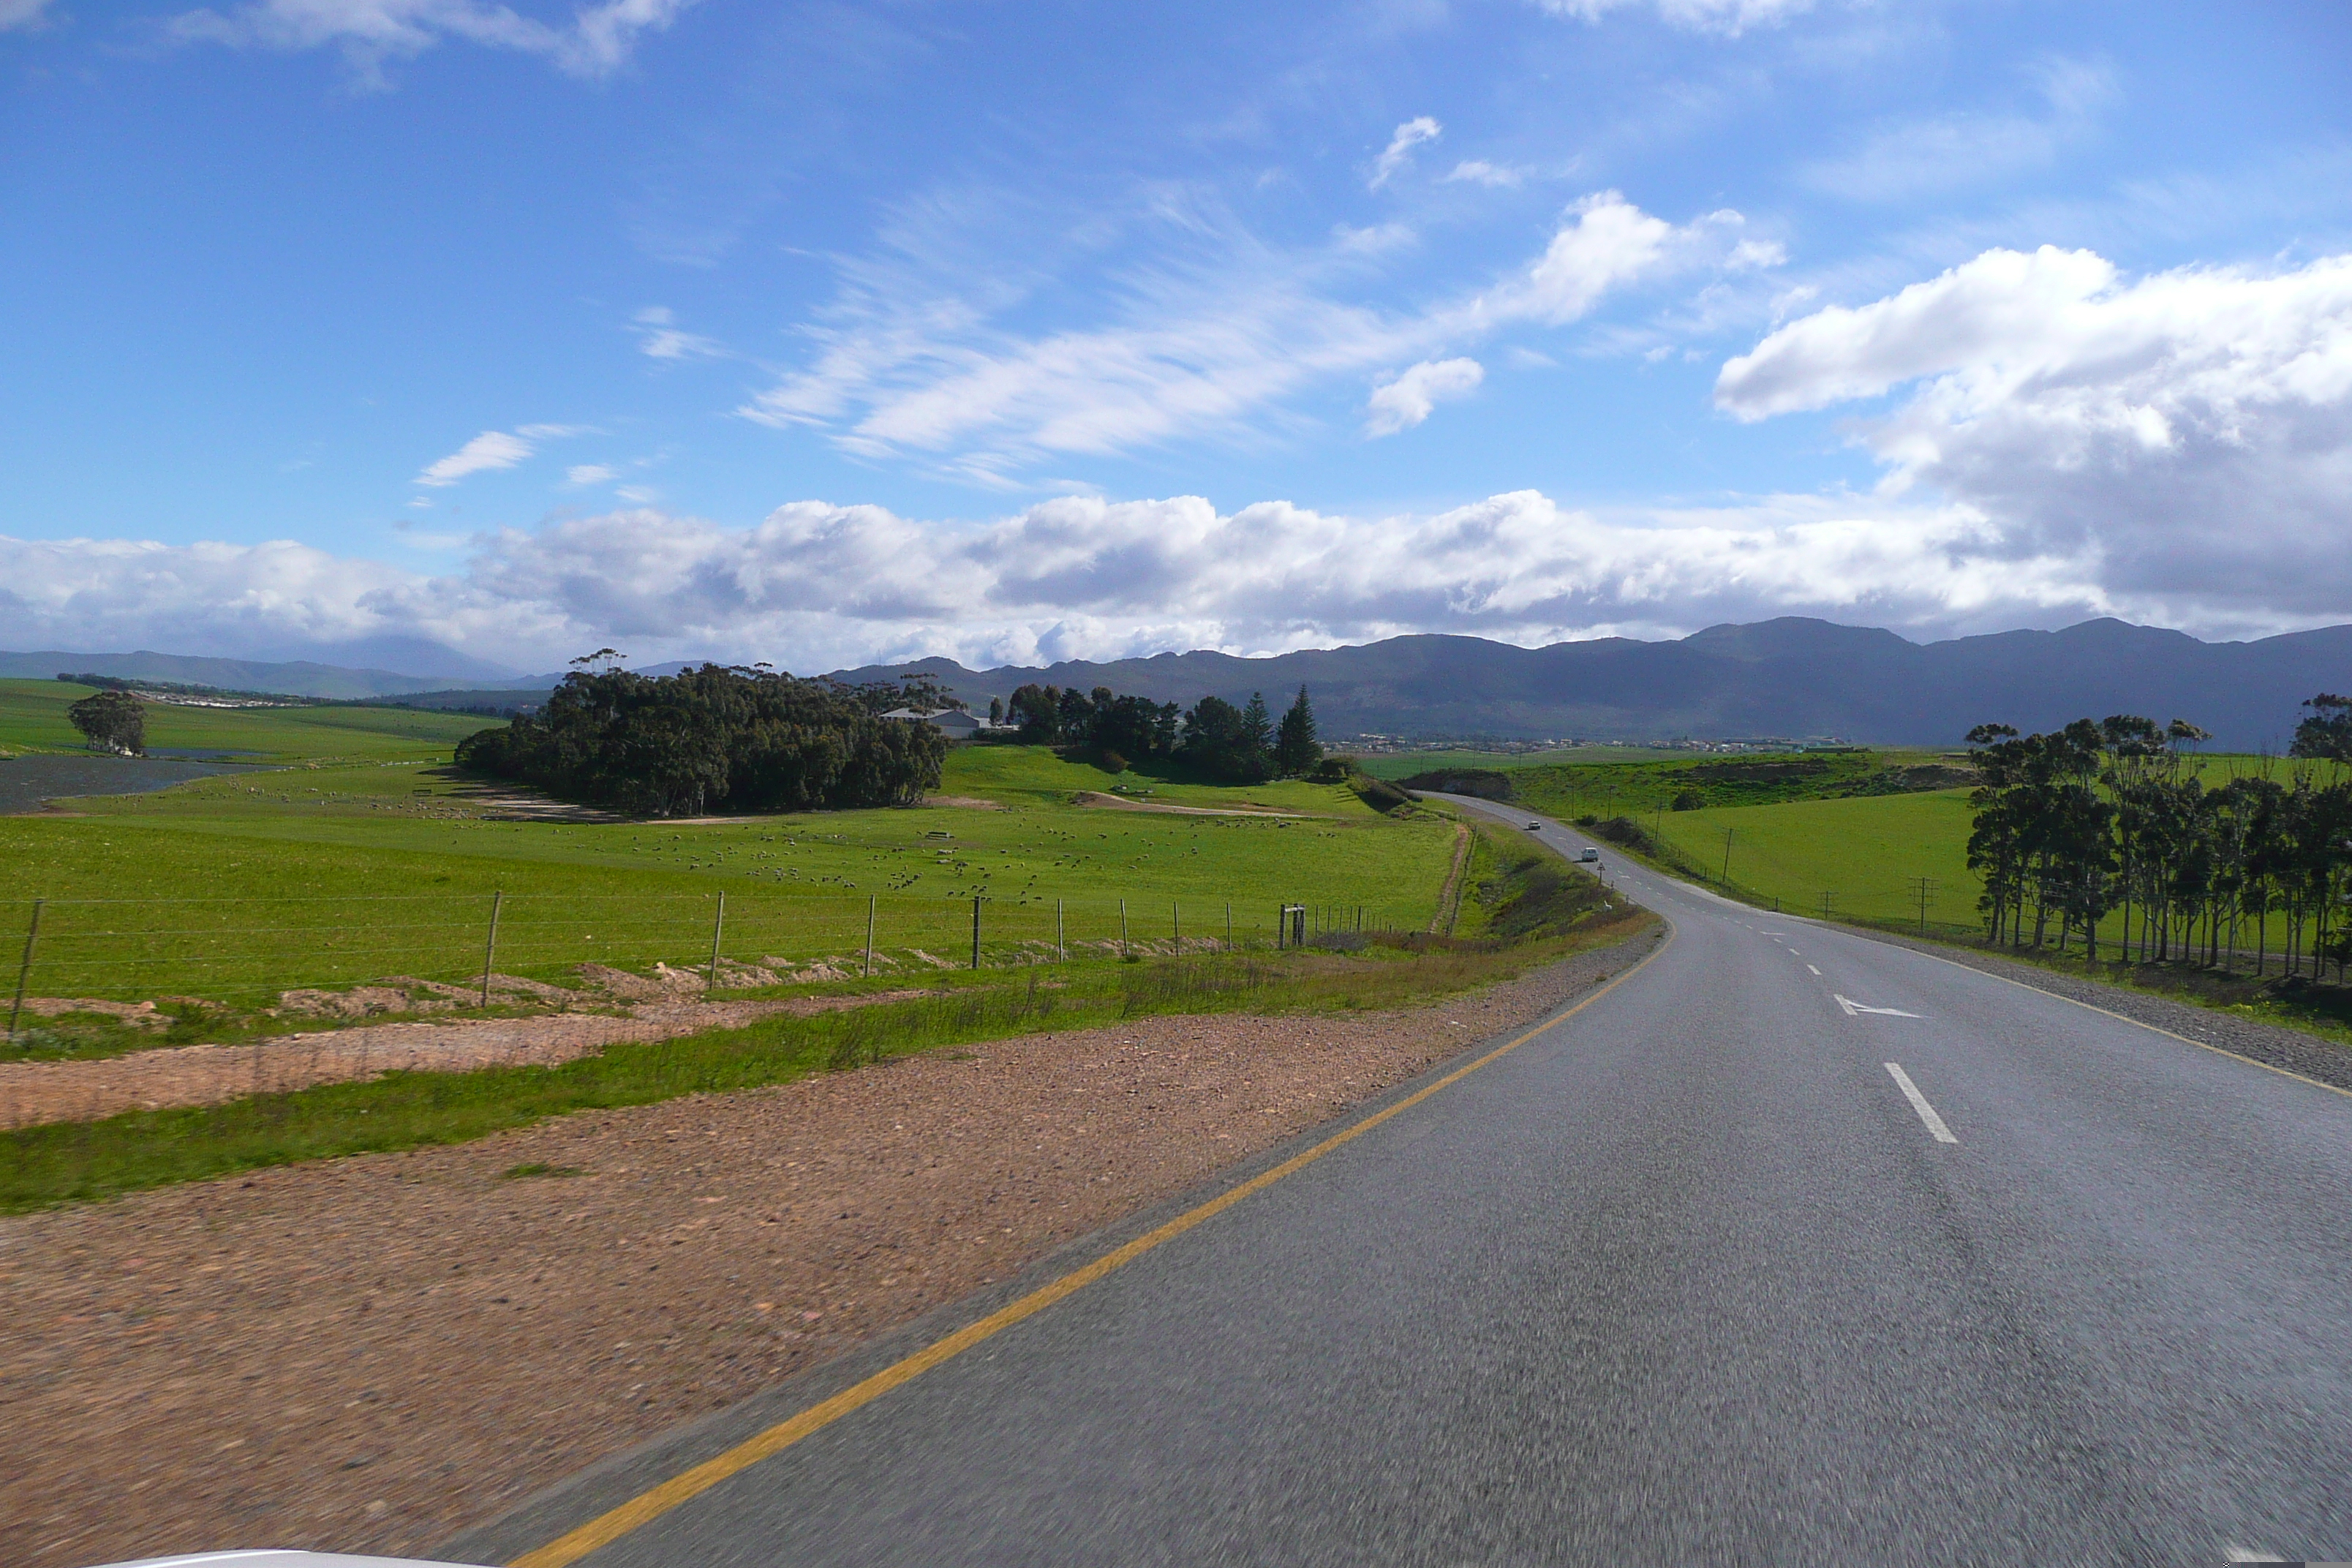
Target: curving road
1694,1276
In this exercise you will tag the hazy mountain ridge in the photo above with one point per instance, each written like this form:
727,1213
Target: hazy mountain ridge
1792,677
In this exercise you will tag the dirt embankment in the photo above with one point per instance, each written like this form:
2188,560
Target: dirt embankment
367,1354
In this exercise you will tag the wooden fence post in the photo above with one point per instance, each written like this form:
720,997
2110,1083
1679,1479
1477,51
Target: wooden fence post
1061,948
490,948
718,928
869,936
975,931
32,935
1122,928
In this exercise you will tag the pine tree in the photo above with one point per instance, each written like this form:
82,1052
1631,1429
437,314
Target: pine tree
1257,735
1295,748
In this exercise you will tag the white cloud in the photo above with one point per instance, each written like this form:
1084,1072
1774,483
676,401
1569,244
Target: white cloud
658,337
1478,172
2192,429
1729,17
817,586
589,474
1405,401
639,495
1213,355
371,32
490,449
1399,152
21,13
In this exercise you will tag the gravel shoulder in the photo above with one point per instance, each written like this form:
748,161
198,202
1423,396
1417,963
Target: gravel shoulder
369,1354
2273,1045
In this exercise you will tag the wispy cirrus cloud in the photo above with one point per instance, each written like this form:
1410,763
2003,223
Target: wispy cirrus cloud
1217,349
491,451
371,33
1728,17
1399,152
21,13
660,337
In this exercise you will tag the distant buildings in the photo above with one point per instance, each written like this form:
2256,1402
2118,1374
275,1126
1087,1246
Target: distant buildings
953,722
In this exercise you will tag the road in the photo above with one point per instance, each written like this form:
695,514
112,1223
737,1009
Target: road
1792,1247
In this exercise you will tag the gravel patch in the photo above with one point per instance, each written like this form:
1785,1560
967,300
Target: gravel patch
2271,1043
367,1354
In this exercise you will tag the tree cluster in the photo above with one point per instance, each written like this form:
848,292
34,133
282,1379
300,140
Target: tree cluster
715,738
112,721
1213,738
2110,815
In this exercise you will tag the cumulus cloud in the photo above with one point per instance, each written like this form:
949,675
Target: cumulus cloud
816,587
1728,17
1405,401
1216,357
1399,152
2191,429
371,32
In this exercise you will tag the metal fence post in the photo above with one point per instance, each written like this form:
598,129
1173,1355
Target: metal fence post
869,936
1061,948
490,948
718,928
1176,923
975,931
1122,928
32,935
1229,925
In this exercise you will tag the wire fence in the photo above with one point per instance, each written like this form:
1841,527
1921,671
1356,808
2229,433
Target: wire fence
248,951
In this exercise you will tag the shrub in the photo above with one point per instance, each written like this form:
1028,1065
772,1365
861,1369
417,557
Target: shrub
1689,800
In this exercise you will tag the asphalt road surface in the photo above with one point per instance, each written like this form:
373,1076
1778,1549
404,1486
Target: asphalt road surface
1793,1247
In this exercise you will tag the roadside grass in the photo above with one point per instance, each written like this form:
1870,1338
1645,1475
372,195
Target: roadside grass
70,1161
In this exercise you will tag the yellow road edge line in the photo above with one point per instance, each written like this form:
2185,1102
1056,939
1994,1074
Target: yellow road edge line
651,1504
2137,1023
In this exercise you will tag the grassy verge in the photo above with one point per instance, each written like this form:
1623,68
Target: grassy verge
40,1166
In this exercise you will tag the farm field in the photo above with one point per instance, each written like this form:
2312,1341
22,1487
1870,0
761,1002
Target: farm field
1404,764
363,857
1864,851
33,720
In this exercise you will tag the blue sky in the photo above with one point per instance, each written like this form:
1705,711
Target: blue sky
821,332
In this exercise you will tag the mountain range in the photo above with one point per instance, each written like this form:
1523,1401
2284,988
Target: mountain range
1793,678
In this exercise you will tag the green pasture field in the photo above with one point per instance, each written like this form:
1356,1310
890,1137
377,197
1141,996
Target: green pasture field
1862,851
365,857
33,719
1404,764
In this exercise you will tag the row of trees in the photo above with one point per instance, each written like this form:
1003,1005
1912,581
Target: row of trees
2113,817
1213,738
716,738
